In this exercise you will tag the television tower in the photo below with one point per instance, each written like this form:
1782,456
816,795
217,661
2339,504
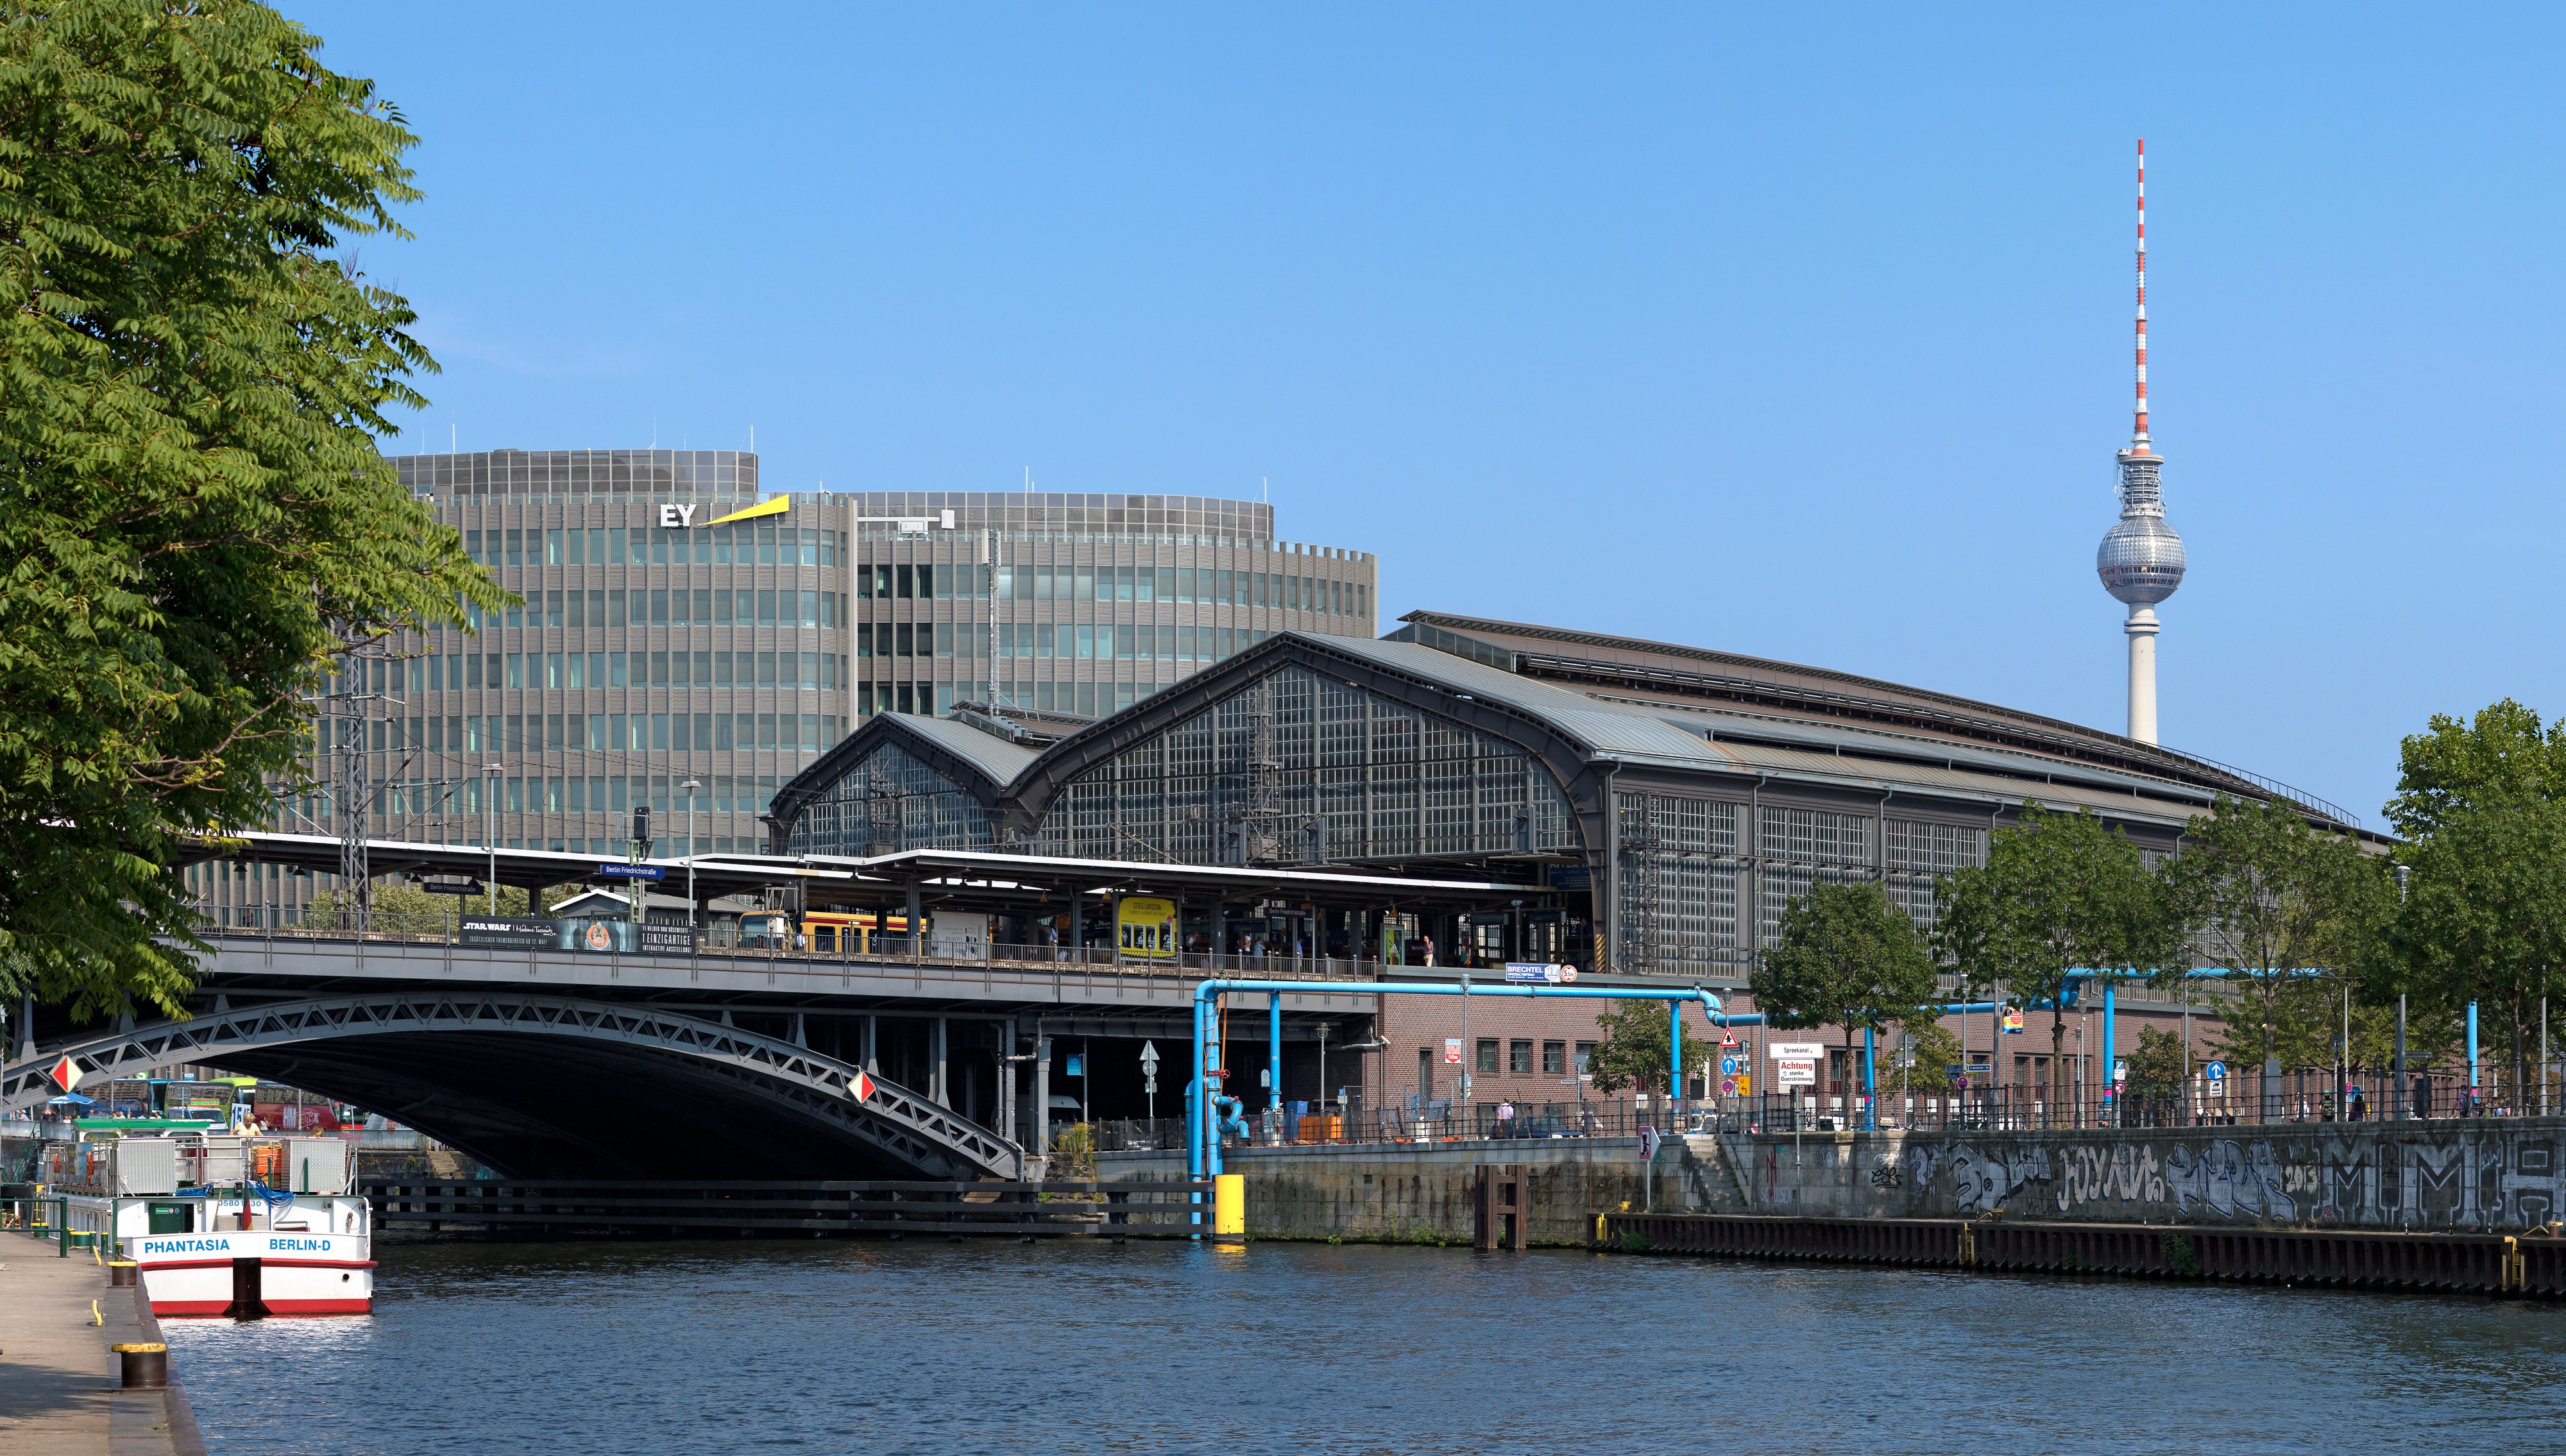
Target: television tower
2141,559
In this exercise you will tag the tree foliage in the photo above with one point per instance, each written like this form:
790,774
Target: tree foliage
1636,1047
193,516
1847,957
2486,917
2505,752
2059,892
2285,910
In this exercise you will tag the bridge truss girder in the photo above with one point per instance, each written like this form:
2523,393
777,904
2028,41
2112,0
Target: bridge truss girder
560,1086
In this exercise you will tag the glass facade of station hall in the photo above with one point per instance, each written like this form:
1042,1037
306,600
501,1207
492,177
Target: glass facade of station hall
655,647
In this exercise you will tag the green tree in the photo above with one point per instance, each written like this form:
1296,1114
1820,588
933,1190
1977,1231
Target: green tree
1634,1046
2059,892
1847,957
2286,911
1937,1051
407,909
2505,752
194,521
2484,918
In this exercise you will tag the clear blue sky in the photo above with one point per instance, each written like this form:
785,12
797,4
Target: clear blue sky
1800,335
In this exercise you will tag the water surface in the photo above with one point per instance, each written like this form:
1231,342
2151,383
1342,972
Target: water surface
929,1347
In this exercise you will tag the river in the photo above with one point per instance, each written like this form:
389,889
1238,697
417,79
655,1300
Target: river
931,1347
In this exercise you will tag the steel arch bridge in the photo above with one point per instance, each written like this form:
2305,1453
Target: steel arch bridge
559,1087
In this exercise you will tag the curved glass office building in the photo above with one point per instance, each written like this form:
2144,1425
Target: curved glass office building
660,642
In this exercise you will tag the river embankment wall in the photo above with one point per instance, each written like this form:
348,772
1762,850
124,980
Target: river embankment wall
2468,1175
2464,1175
1425,1191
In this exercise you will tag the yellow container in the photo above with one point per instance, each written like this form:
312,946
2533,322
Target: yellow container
1230,1207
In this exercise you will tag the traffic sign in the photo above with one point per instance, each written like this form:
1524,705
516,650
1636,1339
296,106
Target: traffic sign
1647,1145
1728,1040
859,1086
2121,1070
1796,1051
1729,1066
67,1073
1149,1058
1796,1071
1452,1051
1728,1086
2215,1071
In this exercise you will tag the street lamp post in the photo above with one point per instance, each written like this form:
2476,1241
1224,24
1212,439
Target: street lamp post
490,829
690,786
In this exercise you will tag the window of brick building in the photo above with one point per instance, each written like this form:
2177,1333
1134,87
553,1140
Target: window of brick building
1520,1057
1487,1054
1585,1059
1554,1059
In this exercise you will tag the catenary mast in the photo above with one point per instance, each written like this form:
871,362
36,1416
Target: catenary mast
2141,559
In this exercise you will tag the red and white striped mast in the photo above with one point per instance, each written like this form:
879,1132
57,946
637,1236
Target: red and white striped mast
2139,435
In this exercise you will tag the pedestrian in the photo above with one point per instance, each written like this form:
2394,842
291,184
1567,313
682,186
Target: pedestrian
1505,1117
2359,1105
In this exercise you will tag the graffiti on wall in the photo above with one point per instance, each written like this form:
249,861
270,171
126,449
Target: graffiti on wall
2434,1175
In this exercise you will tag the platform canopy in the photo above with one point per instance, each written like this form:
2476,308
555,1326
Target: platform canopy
714,876
967,880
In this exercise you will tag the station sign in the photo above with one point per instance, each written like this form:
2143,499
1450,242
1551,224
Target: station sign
1539,973
466,888
1797,1051
630,872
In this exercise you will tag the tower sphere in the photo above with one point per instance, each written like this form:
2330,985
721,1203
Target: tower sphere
2139,559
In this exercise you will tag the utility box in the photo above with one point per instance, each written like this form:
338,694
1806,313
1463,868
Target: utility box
220,1163
145,1167
316,1164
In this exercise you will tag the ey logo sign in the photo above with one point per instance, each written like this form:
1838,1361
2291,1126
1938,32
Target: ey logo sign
681,517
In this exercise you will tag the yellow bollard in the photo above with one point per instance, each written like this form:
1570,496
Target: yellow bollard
1230,1207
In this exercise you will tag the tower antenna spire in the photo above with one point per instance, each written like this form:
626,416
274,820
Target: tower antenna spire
2139,435
2140,559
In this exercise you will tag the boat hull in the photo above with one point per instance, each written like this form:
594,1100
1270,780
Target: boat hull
283,1274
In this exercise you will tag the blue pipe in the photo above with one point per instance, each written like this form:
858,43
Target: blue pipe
1274,1051
2109,1005
1869,1083
2472,1046
1674,1051
1203,1134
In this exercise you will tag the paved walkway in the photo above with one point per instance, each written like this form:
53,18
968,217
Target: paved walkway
58,1373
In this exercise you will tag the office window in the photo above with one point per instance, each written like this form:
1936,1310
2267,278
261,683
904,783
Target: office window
1486,1054
552,670
659,669
578,666
907,580
765,607
810,602
944,639
766,669
703,669
926,583
1554,1059
1520,1057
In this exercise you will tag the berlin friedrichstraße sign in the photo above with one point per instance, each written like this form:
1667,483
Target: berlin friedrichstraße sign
607,937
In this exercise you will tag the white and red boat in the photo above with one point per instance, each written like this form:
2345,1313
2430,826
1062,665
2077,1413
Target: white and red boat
211,1235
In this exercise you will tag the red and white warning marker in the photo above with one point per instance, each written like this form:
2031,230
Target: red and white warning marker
67,1073
859,1086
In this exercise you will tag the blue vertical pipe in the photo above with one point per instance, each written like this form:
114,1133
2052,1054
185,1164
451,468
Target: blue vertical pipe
1869,1083
1194,1117
1675,1055
2472,1046
1274,1050
2110,1086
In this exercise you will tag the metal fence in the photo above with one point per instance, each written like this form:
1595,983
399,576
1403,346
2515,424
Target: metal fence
897,948
2233,1100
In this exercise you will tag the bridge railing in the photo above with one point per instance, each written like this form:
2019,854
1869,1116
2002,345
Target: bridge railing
881,950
